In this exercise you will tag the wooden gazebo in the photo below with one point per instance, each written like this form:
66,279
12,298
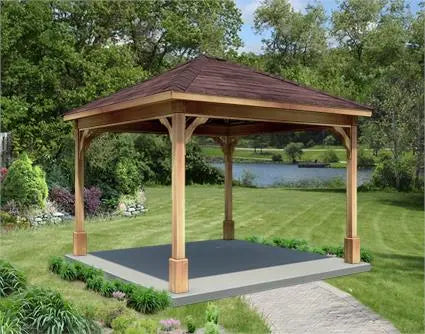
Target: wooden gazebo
213,97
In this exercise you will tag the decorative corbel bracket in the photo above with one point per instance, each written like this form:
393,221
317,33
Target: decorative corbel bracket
189,129
344,134
227,143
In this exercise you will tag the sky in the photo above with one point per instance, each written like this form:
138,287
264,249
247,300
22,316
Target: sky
252,41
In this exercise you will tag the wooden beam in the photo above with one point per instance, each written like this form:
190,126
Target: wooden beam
127,116
79,236
215,110
228,145
236,101
352,241
178,264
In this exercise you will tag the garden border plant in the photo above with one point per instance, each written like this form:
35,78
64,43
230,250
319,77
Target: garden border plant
302,245
142,299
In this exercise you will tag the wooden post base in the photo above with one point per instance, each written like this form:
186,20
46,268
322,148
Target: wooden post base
178,275
80,243
228,230
352,250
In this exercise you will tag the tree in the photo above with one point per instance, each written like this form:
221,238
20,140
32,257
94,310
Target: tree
295,37
294,151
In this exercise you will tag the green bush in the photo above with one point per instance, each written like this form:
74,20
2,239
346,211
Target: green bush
190,324
128,176
392,173
95,283
107,288
68,271
148,300
25,184
10,323
365,158
276,157
113,314
294,151
85,272
329,156
56,263
302,245
211,328
212,313
45,311
122,322
247,178
330,140
11,279
142,326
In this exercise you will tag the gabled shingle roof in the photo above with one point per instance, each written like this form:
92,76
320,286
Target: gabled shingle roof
217,77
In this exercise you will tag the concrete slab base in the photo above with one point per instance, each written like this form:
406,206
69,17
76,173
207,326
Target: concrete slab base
220,268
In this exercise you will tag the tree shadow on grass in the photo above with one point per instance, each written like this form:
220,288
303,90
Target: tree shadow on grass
411,201
407,263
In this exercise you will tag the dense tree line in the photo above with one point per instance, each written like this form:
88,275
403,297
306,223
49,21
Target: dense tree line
58,55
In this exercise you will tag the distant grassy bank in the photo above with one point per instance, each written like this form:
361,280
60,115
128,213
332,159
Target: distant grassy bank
243,154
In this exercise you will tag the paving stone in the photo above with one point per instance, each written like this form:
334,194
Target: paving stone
317,308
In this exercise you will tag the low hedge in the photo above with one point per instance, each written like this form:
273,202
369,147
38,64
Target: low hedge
302,245
142,299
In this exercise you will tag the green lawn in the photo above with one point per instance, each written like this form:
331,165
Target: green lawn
249,155
390,226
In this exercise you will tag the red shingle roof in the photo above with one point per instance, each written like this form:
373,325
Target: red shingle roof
217,77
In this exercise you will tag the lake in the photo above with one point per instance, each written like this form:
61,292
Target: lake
270,174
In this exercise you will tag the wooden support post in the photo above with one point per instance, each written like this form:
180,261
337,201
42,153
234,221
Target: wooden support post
80,236
228,146
352,241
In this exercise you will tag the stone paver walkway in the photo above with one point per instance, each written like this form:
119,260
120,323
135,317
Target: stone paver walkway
317,308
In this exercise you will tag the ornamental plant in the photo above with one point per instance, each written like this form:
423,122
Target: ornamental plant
169,325
25,184
11,279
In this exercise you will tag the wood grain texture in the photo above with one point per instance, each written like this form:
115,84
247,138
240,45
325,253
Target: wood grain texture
352,252
79,240
178,275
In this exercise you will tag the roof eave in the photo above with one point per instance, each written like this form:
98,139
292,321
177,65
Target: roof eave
182,96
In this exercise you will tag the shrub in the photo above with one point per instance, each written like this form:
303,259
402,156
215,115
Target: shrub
394,173
68,271
92,200
329,156
63,198
247,179
147,300
330,140
365,255
107,288
56,263
169,325
365,158
11,279
128,176
10,323
211,313
277,157
122,322
85,272
211,328
95,283
190,324
337,251
45,311
113,314
7,219
142,326
25,183
294,151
